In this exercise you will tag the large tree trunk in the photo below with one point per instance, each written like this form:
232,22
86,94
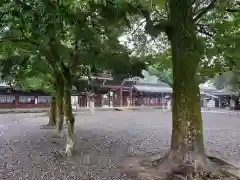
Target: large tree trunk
60,104
68,112
53,112
187,154
187,132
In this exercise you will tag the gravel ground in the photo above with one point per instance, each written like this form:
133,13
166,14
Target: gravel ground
104,140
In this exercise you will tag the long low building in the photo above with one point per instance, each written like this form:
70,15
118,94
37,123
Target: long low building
109,93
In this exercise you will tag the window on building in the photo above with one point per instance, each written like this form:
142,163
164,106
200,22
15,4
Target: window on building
146,100
10,99
154,101
44,99
26,99
7,99
157,100
3,99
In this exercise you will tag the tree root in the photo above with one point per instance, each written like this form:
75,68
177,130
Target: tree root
174,167
176,164
48,126
69,147
60,133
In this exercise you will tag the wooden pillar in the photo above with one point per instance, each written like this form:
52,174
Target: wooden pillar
131,98
110,98
98,99
79,100
16,101
163,103
35,101
121,95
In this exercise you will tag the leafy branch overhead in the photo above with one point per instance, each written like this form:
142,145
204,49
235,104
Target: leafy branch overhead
73,34
156,15
217,25
85,35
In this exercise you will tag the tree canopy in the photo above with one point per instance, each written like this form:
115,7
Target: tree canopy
32,29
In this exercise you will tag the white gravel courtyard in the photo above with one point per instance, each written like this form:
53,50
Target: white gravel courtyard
104,140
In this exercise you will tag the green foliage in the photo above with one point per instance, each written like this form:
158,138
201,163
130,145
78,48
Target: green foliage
163,75
81,36
229,79
162,67
84,36
38,82
217,25
224,51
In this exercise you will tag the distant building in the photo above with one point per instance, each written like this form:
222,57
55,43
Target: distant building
108,92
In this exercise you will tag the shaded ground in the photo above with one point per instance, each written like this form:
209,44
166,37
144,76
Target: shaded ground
104,140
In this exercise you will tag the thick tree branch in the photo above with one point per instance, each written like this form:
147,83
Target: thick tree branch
167,8
75,56
17,39
52,56
155,28
64,68
203,11
233,10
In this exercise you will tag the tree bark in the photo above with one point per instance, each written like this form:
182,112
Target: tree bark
187,131
53,112
60,103
68,111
